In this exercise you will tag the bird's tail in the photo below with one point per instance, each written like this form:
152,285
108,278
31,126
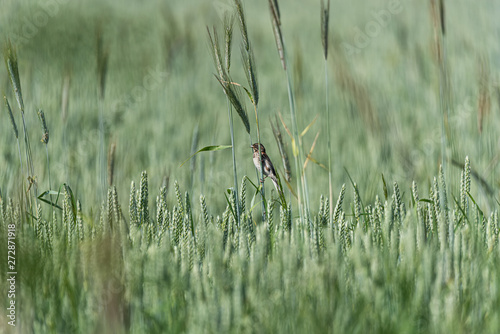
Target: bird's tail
275,182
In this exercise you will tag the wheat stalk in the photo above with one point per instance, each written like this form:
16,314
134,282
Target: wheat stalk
232,97
438,21
11,63
225,81
102,69
16,132
250,73
45,141
247,55
228,39
281,146
304,208
325,14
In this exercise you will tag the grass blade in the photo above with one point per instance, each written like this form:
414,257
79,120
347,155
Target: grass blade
212,148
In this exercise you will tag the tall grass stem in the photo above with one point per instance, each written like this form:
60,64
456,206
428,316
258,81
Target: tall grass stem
233,154
328,130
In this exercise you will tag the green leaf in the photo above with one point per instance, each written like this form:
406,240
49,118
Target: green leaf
257,190
51,192
48,192
208,149
354,186
72,198
57,194
385,187
229,205
425,200
464,215
249,94
50,203
477,206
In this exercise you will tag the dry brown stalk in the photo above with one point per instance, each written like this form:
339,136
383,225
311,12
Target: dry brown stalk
309,155
111,163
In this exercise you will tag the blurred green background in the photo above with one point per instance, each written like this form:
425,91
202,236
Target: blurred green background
383,91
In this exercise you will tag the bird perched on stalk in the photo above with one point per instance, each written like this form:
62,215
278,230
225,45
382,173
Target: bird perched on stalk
266,163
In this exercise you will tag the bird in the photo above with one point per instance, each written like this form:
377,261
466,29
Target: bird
267,164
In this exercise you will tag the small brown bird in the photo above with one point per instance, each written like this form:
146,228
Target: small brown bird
268,165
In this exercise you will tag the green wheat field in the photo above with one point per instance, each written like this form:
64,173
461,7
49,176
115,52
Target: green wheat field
129,201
